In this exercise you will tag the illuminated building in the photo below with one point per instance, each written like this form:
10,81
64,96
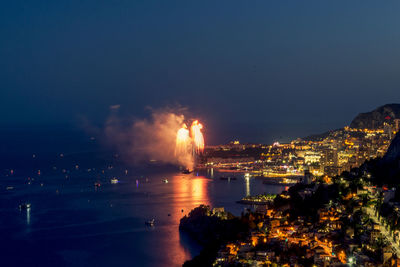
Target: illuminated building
311,157
397,125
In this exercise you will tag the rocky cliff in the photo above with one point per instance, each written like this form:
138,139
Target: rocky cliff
375,119
386,170
393,152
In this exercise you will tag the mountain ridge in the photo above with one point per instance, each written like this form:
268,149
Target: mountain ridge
374,119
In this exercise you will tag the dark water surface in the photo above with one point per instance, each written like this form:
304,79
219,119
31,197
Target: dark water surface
73,223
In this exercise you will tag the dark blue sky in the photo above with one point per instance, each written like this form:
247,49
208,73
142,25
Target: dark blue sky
303,66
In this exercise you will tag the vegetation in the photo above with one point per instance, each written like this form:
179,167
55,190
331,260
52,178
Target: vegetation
212,232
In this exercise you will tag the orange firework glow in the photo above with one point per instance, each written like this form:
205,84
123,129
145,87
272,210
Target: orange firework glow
189,144
197,136
182,140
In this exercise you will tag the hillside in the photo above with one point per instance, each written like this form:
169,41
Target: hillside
386,170
393,152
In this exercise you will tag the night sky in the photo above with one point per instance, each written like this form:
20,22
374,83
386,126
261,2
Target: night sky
248,69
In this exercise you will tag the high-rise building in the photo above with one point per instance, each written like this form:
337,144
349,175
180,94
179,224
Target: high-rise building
330,157
397,125
388,130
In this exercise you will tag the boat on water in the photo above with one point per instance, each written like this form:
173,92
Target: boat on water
150,222
280,181
9,187
165,181
97,184
186,171
24,206
114,180
228,178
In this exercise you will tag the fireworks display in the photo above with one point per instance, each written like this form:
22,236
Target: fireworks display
183,141
189,144
164,137
197,136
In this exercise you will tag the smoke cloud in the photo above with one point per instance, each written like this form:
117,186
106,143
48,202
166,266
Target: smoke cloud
148,139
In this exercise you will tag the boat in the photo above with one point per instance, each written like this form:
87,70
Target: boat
97,184
229,178
165,181
280,181
24,206
114,180
150,222
186,171
9,187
